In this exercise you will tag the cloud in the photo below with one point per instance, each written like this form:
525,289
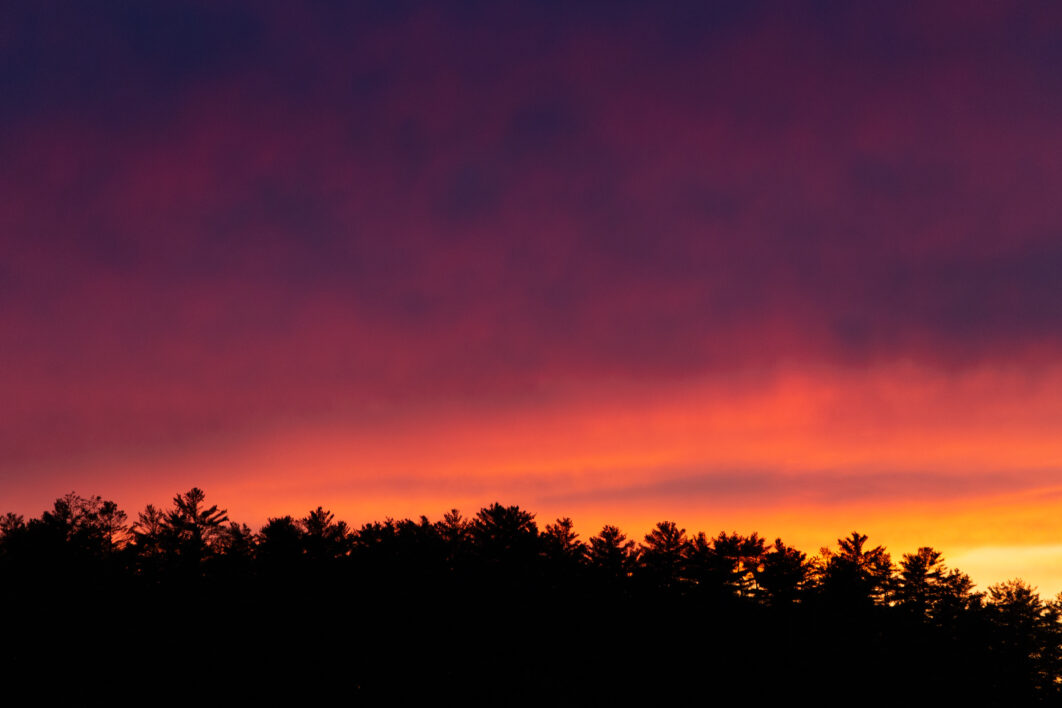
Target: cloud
218,218
768,489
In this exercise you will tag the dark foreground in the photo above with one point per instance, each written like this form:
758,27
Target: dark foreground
186,607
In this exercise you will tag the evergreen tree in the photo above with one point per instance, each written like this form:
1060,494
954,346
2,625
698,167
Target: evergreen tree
663,553
783,575
191,531
612,553
855,575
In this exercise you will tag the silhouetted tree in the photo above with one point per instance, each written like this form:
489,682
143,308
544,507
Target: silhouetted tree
148,530
325,538
612,553
453,528
855,575
72,547
848,610
421,549
191,530
11,523
320,523
663,553
561,543
504,532
148,542
782,575
237,545
1027,643
280,544
94,526
455,533
375,548
954,598
12,534
745,553
374,535
726,565
564,553
76,531
926,588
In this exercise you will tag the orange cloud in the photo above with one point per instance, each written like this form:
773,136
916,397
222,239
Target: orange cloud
908,454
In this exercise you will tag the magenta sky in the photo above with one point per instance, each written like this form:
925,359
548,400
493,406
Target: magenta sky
729,262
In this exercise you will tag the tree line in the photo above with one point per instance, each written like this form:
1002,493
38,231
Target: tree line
492,602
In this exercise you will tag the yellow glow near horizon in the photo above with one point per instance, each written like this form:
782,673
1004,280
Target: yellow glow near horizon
985,445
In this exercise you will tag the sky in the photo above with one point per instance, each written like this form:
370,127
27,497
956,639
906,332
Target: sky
784,267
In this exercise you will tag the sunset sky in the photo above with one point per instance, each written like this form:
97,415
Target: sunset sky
785,267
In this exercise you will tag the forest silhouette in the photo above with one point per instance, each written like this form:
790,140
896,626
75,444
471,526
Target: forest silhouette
493,609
